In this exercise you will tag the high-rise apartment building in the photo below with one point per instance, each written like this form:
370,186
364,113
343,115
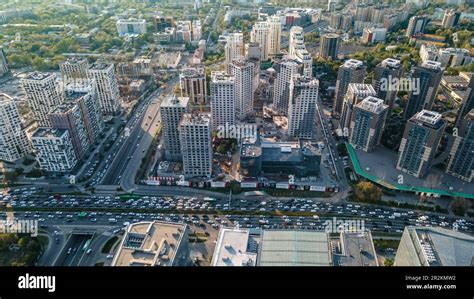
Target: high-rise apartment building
260,35
274,35
42,95
131,26
162,22
196,145
222,88
385,73
192,82
416,25
3,62
286,70
367,123
467,103
54,149
197,30
428,74
352,71
172,109
234,47
461,155
69,116
451,18
329,46
304,92
73,69
14,144
297,50
243,72
107,88
84,93
420,141
356,92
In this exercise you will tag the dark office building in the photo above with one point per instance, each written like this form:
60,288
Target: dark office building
384,73
163,22
352,71
329,46
429,75
461,159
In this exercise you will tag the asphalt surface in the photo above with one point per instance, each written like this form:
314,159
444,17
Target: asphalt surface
108,207
119,162
73,251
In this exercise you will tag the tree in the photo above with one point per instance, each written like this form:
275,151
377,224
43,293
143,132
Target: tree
460,206
388,262
367,192
10,177
342,149
24,242
221,148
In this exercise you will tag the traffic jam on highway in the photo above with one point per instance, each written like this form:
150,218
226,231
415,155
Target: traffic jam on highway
118,141
247,213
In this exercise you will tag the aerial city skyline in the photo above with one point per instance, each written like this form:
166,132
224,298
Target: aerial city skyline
237,133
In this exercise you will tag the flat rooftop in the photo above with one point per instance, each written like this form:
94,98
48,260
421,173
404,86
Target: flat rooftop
64,107
38,76
331,35
294,248
100,66
353,63
281,151
235,247
201,119
221,77
428,118
250,150
150,244
435,65
357,250
379,166
305,81
174,101
361,88
391,62
75,60
4,98
443,247
45,132
372,104
193,73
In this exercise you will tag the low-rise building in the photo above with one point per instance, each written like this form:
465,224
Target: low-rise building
154,244
355,249
235,247
299,159
434,246
294,248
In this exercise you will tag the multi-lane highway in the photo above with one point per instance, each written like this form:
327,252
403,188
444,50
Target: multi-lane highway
141,129
59,212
